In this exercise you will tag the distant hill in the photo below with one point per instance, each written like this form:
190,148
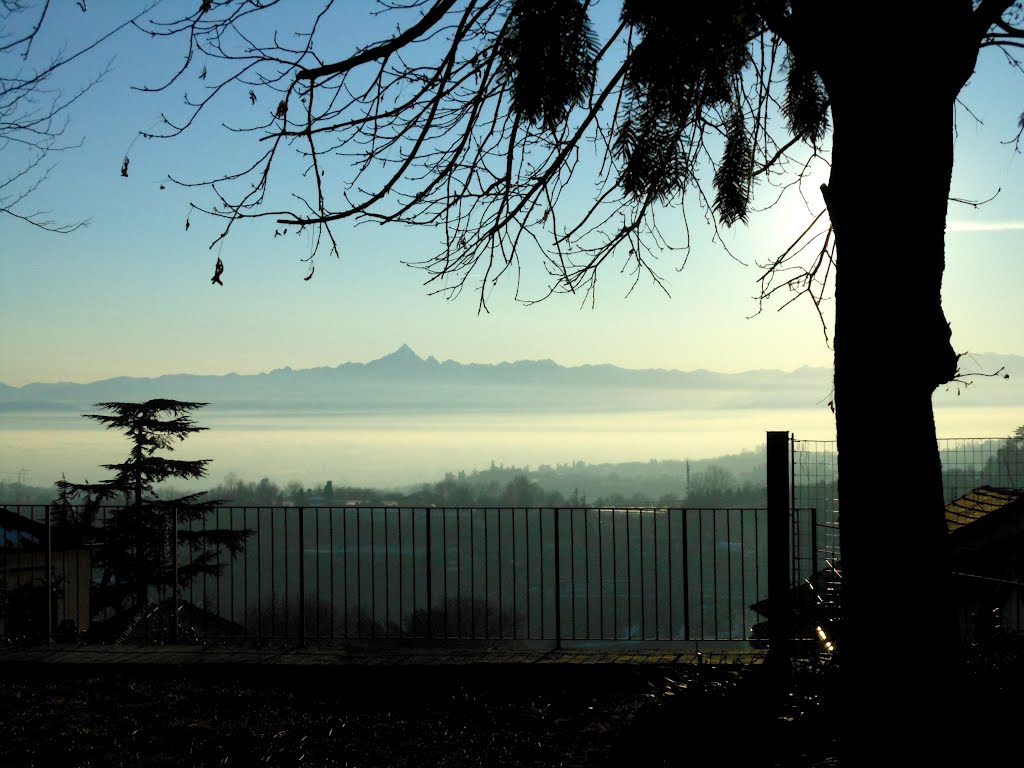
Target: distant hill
404,381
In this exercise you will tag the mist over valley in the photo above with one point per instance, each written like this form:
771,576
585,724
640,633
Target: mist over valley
404,419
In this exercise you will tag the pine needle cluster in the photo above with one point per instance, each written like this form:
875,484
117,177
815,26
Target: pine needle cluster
688,60
548,57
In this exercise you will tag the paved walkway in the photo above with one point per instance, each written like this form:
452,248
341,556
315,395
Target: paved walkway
318,657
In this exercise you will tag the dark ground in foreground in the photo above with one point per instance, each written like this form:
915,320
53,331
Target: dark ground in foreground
402,716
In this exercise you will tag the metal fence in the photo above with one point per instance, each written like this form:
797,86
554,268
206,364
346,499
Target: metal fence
518,576
493,576
967,463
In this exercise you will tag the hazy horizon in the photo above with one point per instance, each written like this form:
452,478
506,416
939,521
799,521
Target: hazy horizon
131,294
380,451
973,363
228,370
394,422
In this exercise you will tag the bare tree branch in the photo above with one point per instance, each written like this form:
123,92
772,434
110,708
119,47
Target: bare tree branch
34,112
420,129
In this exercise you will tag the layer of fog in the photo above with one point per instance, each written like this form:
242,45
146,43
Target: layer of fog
392,451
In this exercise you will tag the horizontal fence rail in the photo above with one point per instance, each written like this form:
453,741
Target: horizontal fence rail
415,574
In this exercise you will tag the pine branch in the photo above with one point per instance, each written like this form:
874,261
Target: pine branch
732,178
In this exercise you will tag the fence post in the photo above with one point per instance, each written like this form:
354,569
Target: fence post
779,603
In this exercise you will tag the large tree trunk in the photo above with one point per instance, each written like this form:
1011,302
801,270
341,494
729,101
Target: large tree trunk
892,349
887,198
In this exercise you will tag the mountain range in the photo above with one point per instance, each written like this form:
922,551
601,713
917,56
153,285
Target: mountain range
404,381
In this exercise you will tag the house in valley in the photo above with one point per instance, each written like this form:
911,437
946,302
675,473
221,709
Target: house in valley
27,547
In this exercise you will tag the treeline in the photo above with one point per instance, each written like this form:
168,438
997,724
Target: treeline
648,480
501,486
19,493
452,491
497,487
267,493
730,481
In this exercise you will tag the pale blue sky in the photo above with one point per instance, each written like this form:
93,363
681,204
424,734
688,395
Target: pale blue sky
130,294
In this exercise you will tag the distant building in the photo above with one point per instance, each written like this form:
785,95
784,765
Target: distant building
986,529
986,536
23,578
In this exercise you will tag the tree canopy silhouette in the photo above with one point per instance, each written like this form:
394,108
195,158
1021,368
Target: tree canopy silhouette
486,119
138,538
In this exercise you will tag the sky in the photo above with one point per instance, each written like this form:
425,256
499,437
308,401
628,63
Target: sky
130,294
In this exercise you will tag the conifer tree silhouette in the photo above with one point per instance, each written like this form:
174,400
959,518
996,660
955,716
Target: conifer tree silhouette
137,536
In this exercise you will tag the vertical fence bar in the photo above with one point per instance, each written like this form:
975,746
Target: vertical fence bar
814,541
285,595
728,568
558,580
526,558
671,581
515,582
743,569
444,571
501,579
429,578
757,557
359,571
460,581
600,575
259,574
714,567
401,566
615,580
643,584
472,573
49,577
373,572
316,561
302,576
686,577
629,580
206,605
657,580
230,569
540,578
792,477
572,568
330,548
174,583
586,577
387,577
414,628
701,569
344,571
487,580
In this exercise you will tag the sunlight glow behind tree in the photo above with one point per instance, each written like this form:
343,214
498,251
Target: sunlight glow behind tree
451,124
456,123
